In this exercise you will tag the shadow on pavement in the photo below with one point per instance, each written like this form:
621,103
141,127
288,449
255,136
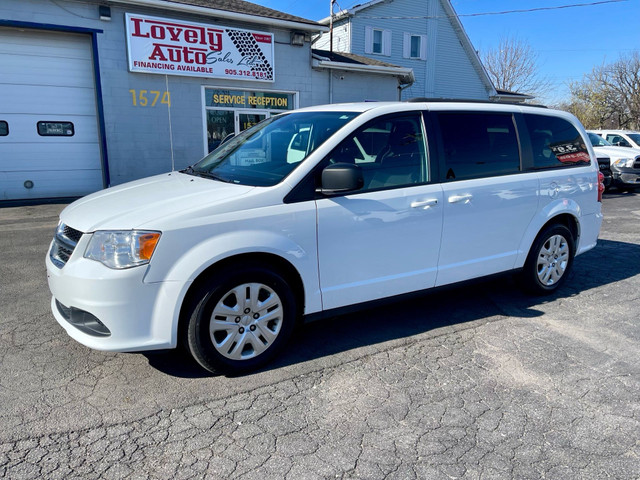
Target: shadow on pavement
608,263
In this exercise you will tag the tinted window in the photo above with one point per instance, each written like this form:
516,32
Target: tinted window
635,137
4,128
555,143
478,145
391,152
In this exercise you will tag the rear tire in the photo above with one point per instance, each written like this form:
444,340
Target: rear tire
549,261
240,319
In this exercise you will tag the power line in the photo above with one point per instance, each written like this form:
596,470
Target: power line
504,12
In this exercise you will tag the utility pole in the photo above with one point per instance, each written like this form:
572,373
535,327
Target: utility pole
332,2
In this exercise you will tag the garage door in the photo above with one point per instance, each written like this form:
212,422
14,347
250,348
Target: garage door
48,124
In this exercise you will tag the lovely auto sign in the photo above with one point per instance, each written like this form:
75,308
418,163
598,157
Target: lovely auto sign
176,47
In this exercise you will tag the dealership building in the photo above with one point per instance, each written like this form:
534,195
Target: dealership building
94,94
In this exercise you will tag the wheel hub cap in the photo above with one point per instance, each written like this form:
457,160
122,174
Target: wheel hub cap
246,321
553,260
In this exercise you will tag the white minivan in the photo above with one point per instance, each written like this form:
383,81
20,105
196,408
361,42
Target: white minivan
319,209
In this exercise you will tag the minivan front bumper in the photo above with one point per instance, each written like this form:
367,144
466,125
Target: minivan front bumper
111,310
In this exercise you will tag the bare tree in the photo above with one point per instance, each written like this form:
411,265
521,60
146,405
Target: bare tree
609,96
513,66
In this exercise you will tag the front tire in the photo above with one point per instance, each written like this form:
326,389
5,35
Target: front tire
240,319
549,261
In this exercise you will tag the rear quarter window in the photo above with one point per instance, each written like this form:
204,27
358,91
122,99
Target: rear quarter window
555,143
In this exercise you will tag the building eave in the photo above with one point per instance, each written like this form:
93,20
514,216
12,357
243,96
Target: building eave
226,15
404,75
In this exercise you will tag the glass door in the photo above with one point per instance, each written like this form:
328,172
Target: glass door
220,123
248,119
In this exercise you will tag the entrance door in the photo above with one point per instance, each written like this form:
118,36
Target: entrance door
246,120
220,123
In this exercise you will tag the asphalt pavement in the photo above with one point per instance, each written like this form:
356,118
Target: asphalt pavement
479,381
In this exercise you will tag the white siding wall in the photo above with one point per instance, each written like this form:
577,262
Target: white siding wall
447,71
455,75
341,38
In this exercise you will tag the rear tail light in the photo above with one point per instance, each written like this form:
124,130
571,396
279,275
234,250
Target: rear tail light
600,186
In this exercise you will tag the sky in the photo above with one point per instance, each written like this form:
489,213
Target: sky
569,42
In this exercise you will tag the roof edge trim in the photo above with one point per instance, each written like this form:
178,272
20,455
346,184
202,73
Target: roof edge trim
225,14
405,75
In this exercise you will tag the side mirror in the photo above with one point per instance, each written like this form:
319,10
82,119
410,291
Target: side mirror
341,178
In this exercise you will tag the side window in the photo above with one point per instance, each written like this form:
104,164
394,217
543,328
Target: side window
415,46
55,129
555,143
391,152
4,128
618,140
478,145
377,41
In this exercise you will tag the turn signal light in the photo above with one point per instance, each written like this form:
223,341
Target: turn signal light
148,243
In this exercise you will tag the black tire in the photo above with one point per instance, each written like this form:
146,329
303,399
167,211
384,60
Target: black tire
549,261
240,341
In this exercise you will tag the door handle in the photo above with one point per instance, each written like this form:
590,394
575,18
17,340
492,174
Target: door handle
424,203
460,198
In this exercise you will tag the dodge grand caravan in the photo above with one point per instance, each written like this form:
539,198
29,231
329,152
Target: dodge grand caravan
320,209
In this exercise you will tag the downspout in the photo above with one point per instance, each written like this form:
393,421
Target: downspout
407,81
400,89
330,86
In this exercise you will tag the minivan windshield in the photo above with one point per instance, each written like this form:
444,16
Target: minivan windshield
267,152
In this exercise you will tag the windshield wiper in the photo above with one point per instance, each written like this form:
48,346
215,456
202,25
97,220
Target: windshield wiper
201,173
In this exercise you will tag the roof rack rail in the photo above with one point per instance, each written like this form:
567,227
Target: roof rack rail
464,100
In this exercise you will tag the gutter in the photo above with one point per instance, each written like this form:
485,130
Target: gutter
224,14
405,75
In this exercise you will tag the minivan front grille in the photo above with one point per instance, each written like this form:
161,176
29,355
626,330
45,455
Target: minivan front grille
64,243
636,164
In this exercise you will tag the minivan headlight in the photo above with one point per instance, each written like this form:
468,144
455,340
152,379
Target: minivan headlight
623,162
122,248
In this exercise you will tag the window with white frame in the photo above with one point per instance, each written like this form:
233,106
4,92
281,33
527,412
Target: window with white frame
377,41
415,46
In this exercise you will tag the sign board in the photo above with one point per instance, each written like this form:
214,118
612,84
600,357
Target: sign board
176,47
248,99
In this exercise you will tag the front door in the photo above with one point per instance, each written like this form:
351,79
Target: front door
384,239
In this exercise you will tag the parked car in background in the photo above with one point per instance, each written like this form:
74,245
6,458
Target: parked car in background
623,167
620,138
317,211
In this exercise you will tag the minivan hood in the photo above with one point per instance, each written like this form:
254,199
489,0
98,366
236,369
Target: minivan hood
144,201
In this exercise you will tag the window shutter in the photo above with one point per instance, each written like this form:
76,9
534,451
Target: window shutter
406,46
368,39
386,42
423,47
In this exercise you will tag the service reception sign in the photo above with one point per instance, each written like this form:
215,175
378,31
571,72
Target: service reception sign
175,47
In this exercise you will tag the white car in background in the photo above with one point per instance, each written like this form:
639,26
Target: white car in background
620,138
624,163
